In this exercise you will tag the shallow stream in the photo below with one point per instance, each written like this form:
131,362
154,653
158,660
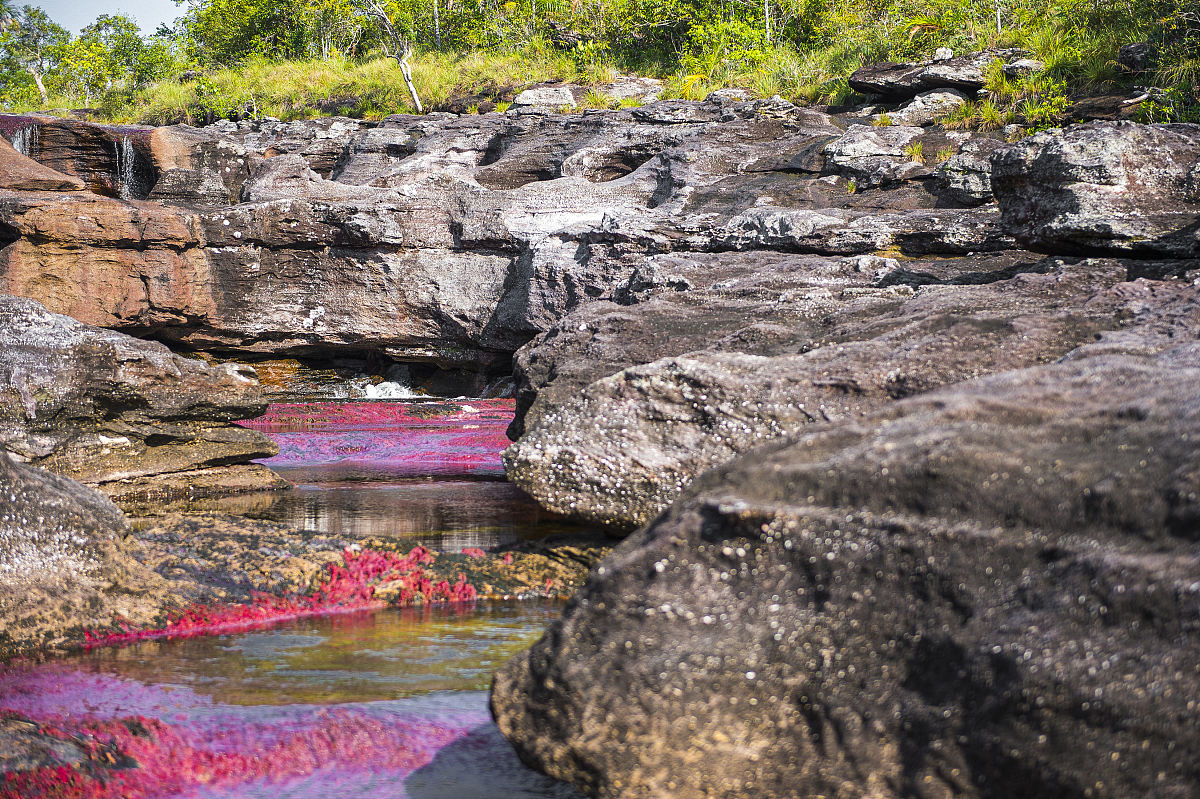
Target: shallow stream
391,703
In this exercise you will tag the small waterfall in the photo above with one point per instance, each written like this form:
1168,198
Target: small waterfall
126,160
25,141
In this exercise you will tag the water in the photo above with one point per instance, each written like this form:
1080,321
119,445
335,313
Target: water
385,704
388,704
426,471
126,163
25,140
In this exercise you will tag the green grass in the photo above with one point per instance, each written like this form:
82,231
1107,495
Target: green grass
1077,40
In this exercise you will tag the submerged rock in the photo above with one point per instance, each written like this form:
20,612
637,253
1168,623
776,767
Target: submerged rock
988,590
120,413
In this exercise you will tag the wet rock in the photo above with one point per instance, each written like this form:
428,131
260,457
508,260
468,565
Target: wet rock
105,408
20,173
970,593
64,565
1104,187
618,450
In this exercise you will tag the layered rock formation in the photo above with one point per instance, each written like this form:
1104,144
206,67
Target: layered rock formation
992,589
935,582
123,414
698,358
454,240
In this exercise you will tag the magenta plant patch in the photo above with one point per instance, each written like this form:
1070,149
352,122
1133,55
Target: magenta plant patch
405,438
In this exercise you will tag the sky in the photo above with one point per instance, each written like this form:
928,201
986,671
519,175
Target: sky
74,14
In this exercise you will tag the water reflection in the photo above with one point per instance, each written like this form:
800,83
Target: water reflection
444,515
382,704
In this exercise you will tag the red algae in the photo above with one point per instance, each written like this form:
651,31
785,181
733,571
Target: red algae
406,438
141,758
347,587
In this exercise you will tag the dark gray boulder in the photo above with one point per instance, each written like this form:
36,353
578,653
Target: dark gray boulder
614,443
1104,187
989,590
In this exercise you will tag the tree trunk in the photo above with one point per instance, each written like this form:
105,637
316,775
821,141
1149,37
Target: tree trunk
408,81
41,87
437,25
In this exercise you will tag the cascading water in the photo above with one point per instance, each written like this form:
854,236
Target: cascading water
126,161
25,141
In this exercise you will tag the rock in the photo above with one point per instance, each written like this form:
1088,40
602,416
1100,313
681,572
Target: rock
113,161
874,156
1104,187
64,566
554,97
969,594
108,409
618,450
900,81
966,178
729,95
943,54
632,87
20,173
888,79
1136,57
964,72
1022,67
928,107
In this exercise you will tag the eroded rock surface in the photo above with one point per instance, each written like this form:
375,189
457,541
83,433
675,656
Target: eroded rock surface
64,565
120,413
695,359
991,589
454,240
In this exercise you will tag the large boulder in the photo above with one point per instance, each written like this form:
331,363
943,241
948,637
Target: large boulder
1104,187
64,563
609,441
120,413
989,590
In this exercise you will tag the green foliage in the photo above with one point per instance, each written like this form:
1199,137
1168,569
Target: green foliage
296,57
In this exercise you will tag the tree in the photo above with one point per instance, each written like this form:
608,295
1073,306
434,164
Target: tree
33,40
395,44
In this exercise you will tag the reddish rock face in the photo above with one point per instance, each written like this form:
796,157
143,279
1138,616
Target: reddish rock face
21,173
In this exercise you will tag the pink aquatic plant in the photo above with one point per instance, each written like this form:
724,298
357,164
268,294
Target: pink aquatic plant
346,587
170,759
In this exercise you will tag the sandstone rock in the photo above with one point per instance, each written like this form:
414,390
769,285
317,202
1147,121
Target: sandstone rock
966,177
928,107
102,407
894,81
874,156
20,173
968,594
554,97
888,79
1023,66
619,450
1111,187
63,564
